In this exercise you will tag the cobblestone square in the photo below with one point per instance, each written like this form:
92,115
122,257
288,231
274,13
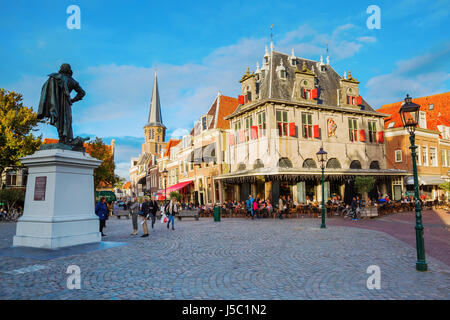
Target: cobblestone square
231,259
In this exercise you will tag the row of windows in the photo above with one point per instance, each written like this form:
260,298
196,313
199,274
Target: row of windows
425,159
285,128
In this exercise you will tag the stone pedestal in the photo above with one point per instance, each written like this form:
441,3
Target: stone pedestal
59,203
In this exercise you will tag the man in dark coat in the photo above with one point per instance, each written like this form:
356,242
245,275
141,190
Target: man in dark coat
56,104
153,205
101,210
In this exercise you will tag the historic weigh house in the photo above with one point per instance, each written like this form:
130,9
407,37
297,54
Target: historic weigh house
288,109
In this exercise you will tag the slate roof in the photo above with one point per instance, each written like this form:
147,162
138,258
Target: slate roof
439,115
154,116
327,82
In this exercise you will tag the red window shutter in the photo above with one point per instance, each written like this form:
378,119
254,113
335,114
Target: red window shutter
241,99
359,100
314,93
231,139
362,135
292,129
254,132
381,137
316,131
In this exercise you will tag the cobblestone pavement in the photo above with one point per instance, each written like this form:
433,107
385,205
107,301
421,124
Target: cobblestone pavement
231,259
401,226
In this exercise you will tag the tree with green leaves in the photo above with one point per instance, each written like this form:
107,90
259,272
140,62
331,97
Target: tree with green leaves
119,182
105,172
17,123
175,194
445,186
364,185
11,196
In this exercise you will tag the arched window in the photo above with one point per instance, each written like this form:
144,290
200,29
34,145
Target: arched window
355,164
309,163
333,163
284,163
258,164
375,165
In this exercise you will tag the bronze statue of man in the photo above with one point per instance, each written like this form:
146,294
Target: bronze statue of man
56,104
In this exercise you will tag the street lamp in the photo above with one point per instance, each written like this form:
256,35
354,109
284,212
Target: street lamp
409,113
165,185
322,159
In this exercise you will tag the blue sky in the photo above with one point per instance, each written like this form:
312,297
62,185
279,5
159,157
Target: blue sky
201,47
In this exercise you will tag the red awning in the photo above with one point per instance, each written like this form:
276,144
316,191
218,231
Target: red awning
176,187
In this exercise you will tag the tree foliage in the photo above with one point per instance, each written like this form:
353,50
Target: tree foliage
119,182
105,172
11,196
175,194
364,184
445,186
16,125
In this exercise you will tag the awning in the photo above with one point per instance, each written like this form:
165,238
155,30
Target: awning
425,180
176,187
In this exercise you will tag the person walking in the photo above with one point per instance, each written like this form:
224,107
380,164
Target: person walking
153,205
101,210
134,208
172,210
145,213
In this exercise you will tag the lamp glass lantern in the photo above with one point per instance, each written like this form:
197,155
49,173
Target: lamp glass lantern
409,113
322,157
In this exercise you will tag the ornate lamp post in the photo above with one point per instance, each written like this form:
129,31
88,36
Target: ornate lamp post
409,113
165,185
322,158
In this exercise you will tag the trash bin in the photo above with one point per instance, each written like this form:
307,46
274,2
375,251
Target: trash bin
216,213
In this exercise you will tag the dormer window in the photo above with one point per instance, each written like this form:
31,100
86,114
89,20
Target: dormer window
323,68
422,119
293,62
431,106
281,70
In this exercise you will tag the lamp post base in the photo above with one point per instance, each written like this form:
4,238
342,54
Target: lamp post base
421,266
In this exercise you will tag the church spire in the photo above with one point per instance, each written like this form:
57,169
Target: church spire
154,117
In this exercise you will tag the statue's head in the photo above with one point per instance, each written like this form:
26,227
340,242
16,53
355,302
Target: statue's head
66,69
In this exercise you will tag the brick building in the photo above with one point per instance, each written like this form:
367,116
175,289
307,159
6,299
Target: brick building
432,139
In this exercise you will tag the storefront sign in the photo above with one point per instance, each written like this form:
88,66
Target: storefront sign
39,188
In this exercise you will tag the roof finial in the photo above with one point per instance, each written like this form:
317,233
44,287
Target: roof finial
271,38
345,74
321,59
328,57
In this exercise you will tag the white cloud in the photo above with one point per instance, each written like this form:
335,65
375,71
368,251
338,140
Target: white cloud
367,39
419,76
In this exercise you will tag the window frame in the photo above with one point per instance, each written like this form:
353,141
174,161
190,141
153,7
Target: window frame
353,131
425,156
372,126
396,152
307,125
435,162
261,122
282,122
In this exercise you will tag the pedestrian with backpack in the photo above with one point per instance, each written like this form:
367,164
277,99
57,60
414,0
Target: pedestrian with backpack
145,214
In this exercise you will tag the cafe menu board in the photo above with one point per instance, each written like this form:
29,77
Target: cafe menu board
39,188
